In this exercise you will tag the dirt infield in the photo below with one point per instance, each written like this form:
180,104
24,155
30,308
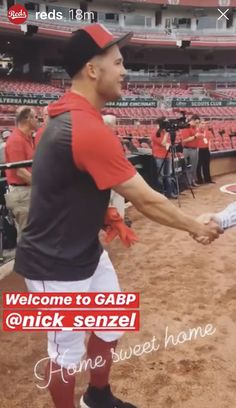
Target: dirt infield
183,286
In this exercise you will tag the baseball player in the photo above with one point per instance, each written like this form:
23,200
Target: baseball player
77,162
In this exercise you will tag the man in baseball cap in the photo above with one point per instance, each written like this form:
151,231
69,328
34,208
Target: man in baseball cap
78,161
88,42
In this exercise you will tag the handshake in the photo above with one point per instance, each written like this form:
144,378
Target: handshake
205,229
215,224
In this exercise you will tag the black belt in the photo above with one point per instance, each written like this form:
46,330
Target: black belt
19,185
186,147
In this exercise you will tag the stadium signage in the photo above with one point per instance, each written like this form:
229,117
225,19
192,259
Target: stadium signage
133,103
200,104
34,100
7,98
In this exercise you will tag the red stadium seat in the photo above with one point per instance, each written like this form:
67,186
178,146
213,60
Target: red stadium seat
219,146
228,146
212,146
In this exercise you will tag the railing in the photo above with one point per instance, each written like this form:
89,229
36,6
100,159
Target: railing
147,32
194,78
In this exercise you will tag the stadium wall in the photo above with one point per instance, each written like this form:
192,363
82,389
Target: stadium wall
223,165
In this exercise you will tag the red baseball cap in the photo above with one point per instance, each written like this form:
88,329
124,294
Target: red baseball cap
87,42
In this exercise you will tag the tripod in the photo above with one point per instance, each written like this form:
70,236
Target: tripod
174,175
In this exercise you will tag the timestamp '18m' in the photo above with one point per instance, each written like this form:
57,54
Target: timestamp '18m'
78,14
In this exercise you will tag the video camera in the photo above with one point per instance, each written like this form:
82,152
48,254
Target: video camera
173,125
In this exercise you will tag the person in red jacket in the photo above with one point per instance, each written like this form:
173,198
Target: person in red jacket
203,167
160,147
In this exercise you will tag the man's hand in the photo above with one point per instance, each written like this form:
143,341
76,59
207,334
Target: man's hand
198,134
207,218
25,175
211,227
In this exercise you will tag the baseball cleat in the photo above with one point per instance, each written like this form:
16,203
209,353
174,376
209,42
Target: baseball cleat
96,398
227,217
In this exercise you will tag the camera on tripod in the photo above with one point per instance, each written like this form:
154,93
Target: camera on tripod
173,125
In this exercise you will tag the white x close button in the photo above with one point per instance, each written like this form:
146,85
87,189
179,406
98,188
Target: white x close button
223,14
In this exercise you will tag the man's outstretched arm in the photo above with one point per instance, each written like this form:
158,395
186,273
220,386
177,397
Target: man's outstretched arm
159,209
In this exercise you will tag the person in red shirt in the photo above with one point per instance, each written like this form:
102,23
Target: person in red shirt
203,167
19,147
77,162
160,146
189,138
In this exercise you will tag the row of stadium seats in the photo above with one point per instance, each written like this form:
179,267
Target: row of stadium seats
219,111
139,113
224,144
175,90
10,110
228,93
132,113
158,91
216,145
135,113
141,144
226,126
141,136
220,140
27,87
152,113
142,113
166,90
137,131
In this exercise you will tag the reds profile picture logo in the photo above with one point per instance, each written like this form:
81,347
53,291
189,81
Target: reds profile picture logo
17,14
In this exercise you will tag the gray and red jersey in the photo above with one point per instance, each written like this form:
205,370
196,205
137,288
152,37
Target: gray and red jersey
77,161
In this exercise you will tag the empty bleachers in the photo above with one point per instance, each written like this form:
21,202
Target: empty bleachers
224,131
228,93
15,87
223,134
158,90
27,87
